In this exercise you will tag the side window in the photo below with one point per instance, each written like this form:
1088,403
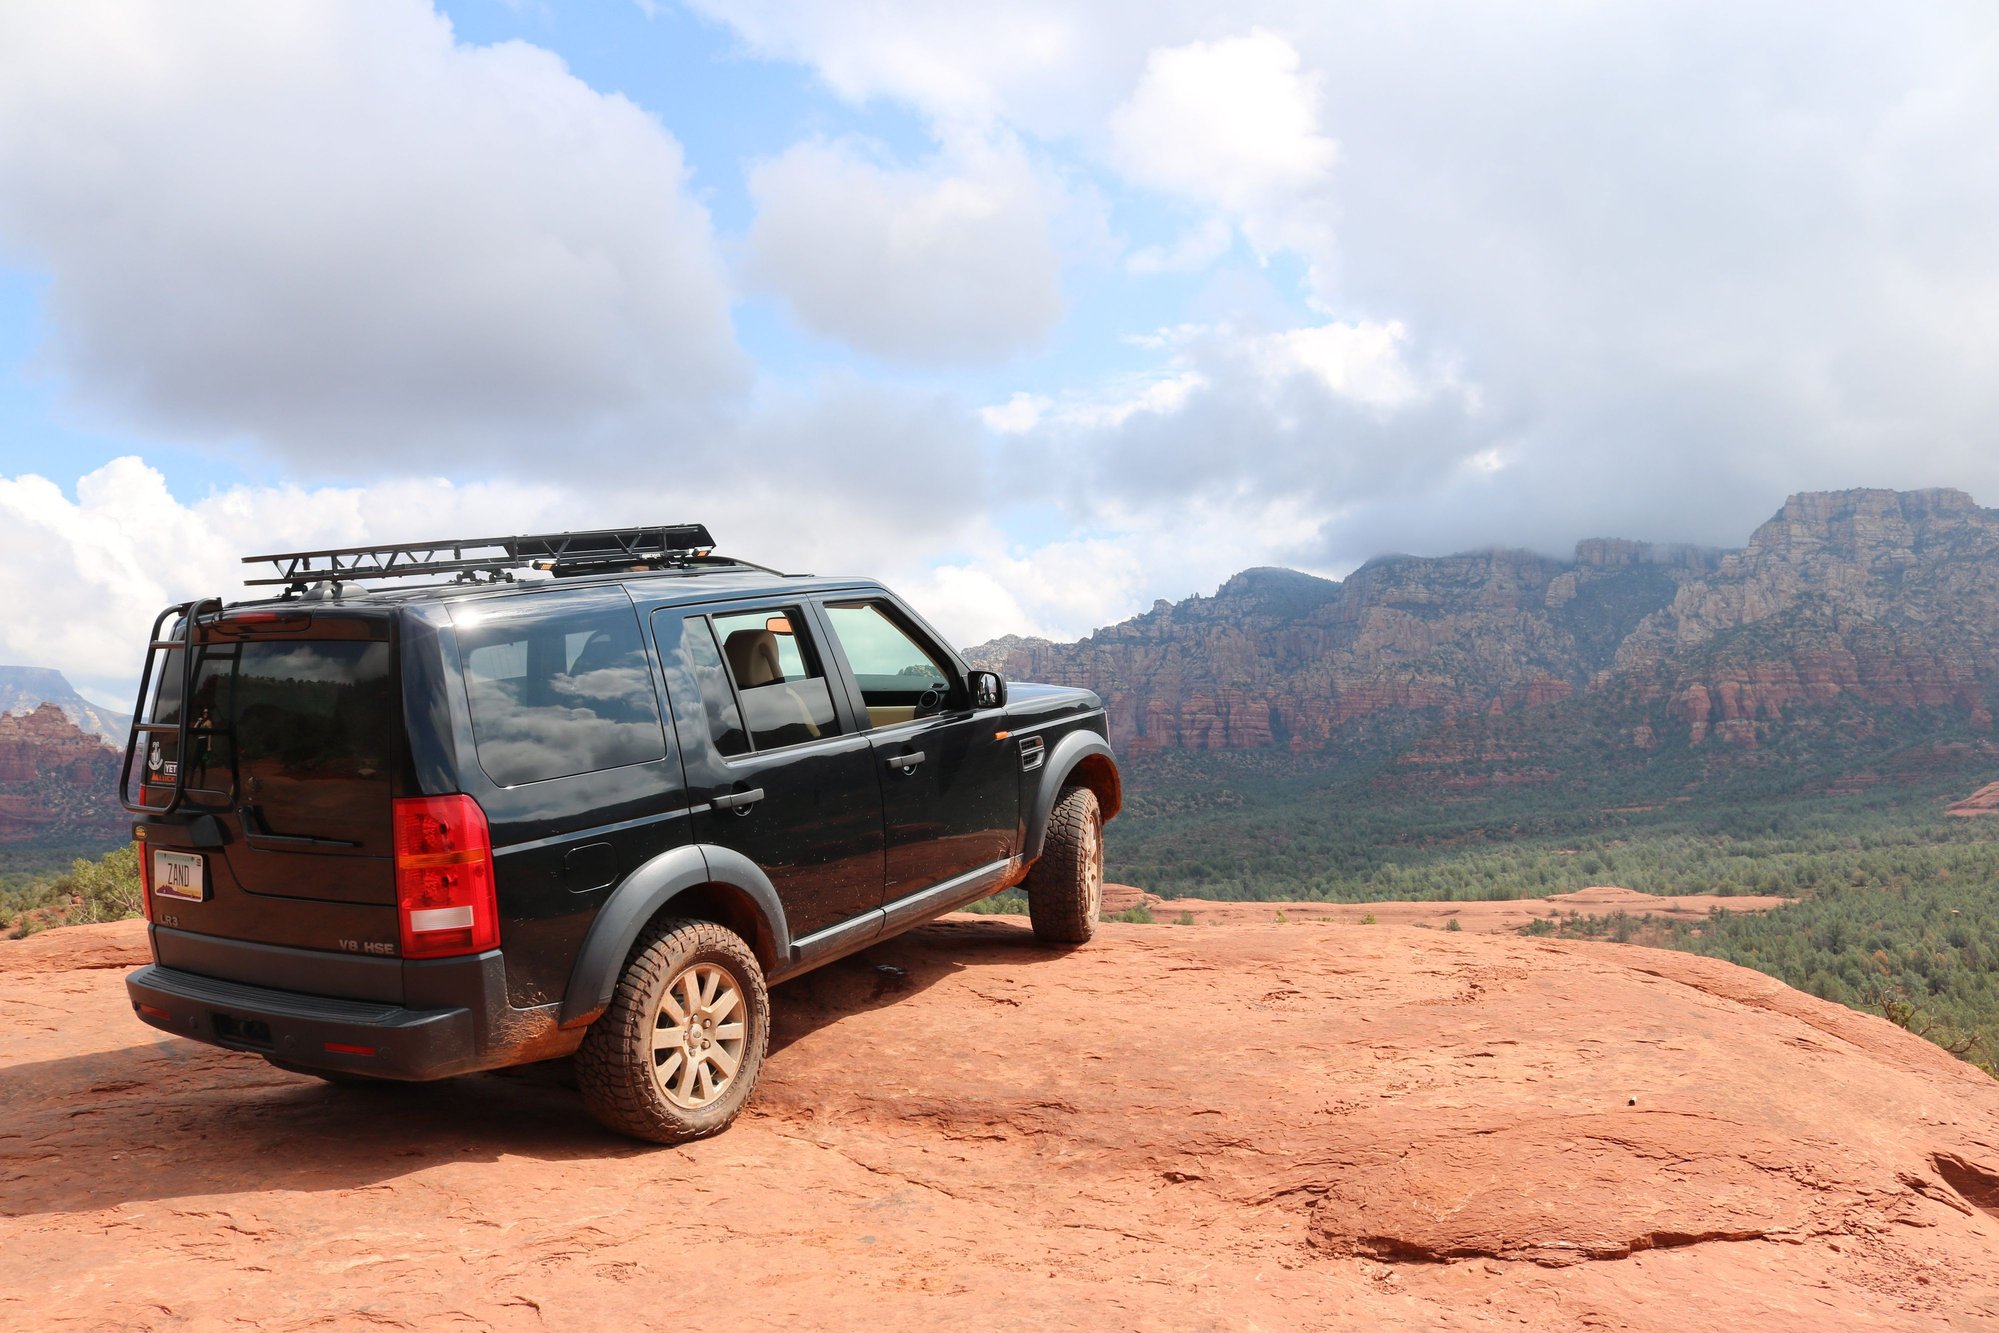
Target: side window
559,685
900,677
704,659
780,683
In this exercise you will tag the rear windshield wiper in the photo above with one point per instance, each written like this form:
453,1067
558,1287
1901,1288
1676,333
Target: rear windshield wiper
257,835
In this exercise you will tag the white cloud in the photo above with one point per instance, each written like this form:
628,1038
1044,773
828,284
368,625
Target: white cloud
332,229
952,263
1017,415
85,576
1361,361
962,63
1193,250
1235,125
1066,588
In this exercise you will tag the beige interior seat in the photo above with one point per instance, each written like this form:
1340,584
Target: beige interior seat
753,659
754,662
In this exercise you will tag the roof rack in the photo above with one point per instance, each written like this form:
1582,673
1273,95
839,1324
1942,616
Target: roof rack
564,554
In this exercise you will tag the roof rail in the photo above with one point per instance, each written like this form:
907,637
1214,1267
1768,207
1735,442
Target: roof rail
563,554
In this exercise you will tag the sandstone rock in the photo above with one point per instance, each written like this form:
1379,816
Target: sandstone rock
1306,1125
1984,801
57,782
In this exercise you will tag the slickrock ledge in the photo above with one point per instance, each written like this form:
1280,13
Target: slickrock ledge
1241,1126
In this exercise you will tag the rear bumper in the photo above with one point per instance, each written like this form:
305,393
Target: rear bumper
354,1036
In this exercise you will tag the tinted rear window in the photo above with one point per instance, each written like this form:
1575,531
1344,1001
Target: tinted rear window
305,731
559,684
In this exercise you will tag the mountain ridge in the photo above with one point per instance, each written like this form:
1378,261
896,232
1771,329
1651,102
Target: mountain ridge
58,784
26,688
1872,604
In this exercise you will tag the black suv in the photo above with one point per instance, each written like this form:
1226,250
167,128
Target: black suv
413,831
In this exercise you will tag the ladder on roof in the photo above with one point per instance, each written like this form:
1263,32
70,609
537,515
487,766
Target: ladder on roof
138,798
563,554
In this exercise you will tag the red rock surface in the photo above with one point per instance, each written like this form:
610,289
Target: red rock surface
1276,1127
1984,801
1487,918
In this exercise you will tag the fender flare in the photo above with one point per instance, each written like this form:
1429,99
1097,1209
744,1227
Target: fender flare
638,898
1069,751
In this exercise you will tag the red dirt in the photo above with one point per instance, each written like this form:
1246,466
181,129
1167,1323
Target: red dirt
1485,918
1244,1126
1984,801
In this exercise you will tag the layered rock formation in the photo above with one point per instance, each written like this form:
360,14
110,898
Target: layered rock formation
24,689
1879,601
58,783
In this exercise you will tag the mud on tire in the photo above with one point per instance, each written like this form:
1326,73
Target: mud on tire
1065,889
677,1054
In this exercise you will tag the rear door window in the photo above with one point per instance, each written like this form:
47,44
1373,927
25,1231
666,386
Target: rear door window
718,697
779,680
559,684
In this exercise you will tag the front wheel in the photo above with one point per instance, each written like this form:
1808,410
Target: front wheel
1065,890
675,1056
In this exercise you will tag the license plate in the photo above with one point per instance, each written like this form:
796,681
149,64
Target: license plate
178,875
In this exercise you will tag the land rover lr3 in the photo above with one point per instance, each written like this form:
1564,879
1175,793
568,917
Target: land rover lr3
405,832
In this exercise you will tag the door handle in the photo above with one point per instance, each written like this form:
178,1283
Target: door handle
739,801
905,762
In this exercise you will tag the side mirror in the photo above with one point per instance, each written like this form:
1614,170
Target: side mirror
988,690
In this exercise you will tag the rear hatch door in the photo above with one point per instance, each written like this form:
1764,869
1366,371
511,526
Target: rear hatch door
293,753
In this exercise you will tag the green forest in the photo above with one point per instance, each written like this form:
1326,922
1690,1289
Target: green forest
1898,909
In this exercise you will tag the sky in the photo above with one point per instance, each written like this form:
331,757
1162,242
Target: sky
1040,311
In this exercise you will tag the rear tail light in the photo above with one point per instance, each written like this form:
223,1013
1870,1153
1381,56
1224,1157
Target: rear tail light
444,877
145,876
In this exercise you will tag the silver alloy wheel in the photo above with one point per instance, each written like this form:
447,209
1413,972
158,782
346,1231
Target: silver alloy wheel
1093,869
698,1036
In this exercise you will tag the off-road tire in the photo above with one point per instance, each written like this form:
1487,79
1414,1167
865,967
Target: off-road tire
1065,889
617,1065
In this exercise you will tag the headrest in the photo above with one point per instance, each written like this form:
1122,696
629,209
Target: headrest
752,655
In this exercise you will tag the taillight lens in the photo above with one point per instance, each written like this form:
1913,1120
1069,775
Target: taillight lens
444,877
145,875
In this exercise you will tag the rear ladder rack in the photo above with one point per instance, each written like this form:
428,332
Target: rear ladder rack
144,722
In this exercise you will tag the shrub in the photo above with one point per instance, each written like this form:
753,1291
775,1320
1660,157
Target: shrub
106,889
1011,902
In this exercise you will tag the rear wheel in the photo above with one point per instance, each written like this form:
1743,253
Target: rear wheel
1065,890
676,1055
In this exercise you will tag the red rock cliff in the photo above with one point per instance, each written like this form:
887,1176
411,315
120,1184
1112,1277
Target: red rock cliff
1880,600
